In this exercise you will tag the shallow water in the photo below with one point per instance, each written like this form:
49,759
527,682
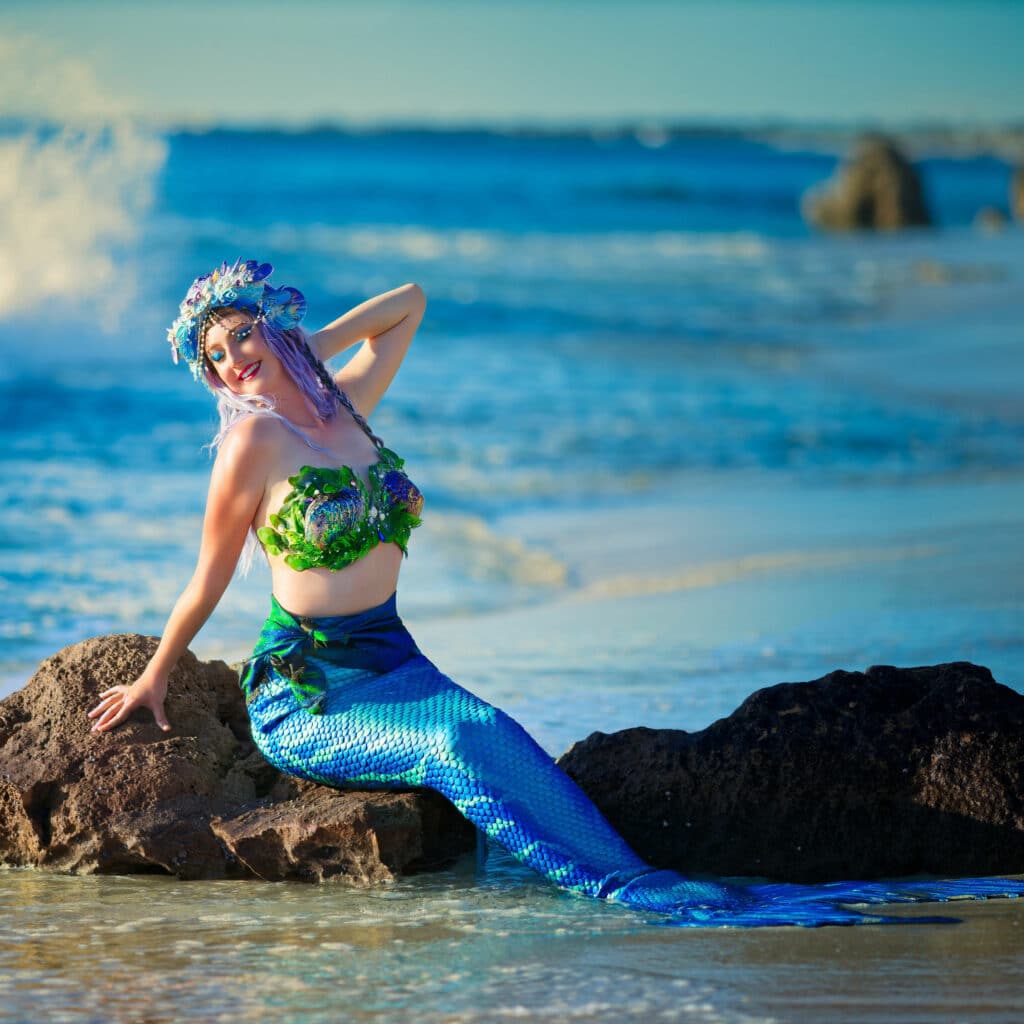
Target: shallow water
460,947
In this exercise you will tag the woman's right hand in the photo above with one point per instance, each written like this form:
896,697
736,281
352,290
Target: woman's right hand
117,703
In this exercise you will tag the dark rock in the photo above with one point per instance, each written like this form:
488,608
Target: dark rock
198,802
856,775
877,188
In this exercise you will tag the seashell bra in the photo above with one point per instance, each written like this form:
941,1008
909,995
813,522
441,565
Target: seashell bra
331,519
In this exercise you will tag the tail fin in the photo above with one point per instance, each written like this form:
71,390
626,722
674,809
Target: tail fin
921,891
806,906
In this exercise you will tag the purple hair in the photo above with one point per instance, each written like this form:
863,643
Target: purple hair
311,377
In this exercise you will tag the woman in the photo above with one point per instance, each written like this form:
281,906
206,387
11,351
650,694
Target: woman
336,689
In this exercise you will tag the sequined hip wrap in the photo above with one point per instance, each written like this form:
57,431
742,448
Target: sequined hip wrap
350,701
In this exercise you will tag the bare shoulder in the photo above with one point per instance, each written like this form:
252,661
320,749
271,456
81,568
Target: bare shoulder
253,443
254,433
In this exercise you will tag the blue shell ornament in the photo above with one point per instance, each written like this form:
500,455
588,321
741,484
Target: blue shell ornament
403,491
284,307
240,285
330,516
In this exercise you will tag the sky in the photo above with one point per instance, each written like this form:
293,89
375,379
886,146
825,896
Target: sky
530,61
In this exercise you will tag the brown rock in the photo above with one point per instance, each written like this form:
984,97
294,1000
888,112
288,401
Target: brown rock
886,773
324,833
136,799
17,831
877,188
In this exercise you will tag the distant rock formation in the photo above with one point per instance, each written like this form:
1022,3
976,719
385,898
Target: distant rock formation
1017,194
877,188
886,773
989,219
198,802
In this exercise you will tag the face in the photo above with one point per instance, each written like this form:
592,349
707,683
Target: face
239,354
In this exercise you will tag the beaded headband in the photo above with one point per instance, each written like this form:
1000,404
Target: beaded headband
239,286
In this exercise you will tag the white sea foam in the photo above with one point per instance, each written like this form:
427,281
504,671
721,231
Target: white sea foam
529,251
76,179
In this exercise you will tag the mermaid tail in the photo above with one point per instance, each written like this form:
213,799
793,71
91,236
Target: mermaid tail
937,891
349,701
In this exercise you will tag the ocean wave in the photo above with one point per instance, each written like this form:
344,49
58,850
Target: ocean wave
1004,141
76,178
604,252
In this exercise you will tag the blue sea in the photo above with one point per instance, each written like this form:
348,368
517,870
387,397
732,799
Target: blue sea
675,445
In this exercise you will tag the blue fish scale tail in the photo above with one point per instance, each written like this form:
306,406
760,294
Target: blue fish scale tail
403,723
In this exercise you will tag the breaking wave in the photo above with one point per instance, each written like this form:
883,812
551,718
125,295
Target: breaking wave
76,181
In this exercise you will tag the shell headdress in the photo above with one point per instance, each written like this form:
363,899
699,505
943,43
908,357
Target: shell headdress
241,285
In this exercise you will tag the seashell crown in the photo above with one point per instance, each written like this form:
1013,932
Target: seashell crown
241,285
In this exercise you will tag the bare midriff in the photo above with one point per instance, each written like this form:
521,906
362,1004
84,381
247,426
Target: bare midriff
361,585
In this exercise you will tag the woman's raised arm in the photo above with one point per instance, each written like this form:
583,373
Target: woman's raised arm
388,323
236,490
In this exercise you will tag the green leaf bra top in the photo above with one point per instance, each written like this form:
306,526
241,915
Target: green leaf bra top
331,519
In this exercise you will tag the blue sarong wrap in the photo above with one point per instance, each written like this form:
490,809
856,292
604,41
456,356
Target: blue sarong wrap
351,701
373,639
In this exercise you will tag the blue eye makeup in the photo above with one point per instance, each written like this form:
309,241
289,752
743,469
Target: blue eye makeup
240,334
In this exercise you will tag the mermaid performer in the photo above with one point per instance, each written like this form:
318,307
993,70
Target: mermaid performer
336,689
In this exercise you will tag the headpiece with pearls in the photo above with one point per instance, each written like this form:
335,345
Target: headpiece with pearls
241,286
